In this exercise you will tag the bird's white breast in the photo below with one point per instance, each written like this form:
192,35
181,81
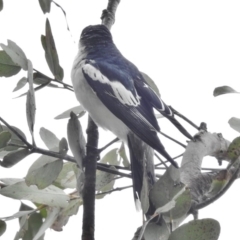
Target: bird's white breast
91,103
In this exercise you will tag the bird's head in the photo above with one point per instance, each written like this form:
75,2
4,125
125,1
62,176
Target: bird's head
95,35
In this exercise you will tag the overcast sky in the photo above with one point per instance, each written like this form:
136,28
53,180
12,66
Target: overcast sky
187,47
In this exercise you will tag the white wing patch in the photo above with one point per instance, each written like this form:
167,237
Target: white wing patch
121,93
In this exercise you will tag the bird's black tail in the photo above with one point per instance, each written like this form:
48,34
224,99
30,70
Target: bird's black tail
137,171
142,166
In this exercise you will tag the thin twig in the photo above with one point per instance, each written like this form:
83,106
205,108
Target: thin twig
66,86
114,190
17,134
109,170
116,166
172,139
162,162
159,164
107,145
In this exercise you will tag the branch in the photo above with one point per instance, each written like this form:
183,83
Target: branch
114,190
65,85
172,139
88,226
108,15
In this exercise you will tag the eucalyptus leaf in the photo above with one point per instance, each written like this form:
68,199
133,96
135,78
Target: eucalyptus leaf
103,179
10,181
51,54
31,105
3,227
233,151
16,54
5,137
123,155
111,157
218,183
66,213
151,83
30,224
67,177
18,215
51,217
63,146
76,139
14,157
223,90
45,5
21,83
51,195
154,232
23,221
78,110
1,5
40,79
165,190
198,230
49,138
235,123
44,171
14,138
7,67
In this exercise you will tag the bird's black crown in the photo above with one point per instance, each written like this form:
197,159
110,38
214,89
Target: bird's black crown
96,34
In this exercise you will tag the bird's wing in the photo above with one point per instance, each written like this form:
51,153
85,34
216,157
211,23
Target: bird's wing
117,91
156,102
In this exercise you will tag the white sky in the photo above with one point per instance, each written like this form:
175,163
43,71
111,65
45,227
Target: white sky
187,47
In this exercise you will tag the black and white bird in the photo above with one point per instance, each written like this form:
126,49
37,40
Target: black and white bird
115,94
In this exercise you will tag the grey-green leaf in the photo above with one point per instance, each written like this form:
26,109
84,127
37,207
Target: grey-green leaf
14,157
18,215
3,227
151,83
49,138
52,196
1,5
51,54
41,79
34,223
51,217
76,139
78,110
123,155
235,123
63,146
67,177
223,90
198,230
31,104
44,171
7,67
111,157
21,83
14,138
45,5
5,137
66,213
16,54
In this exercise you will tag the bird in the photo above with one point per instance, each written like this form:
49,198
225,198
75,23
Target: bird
117,97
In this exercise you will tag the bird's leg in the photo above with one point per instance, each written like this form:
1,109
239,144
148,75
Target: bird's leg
201,127
97,151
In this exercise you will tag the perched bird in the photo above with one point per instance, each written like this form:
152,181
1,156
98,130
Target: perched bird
116,96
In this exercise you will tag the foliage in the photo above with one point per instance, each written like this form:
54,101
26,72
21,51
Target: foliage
50,176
